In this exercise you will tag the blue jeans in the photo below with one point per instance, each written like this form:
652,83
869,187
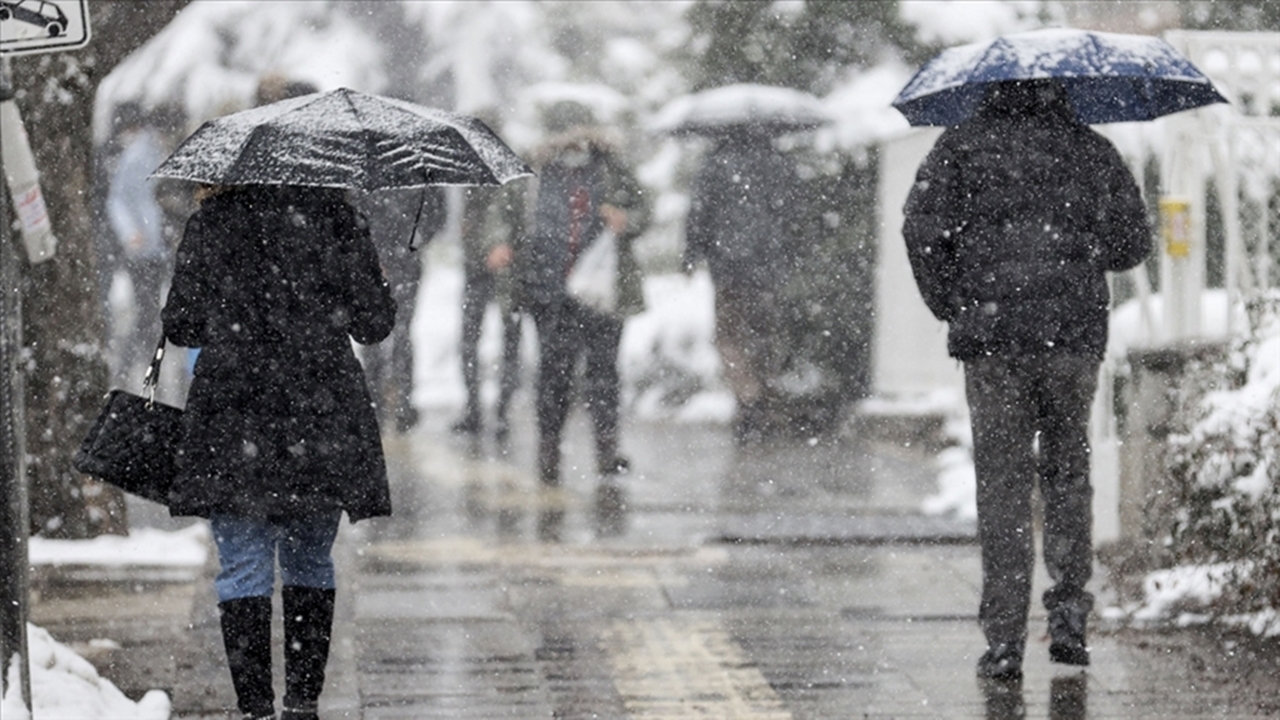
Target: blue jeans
248,547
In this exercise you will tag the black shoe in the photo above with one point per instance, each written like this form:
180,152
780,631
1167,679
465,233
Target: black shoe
1071,652
1066,636
616,465
406,420
549,465
1000,662
468,424
750,425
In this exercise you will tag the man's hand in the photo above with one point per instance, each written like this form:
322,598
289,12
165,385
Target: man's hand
499,258
614,217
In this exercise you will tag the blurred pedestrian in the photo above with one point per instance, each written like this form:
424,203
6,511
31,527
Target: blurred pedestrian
742,218
137,224
586,194
401,222
492,219
1014,220
274,283
274,87
124,117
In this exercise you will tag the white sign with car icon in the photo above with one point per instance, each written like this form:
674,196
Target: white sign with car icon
40,26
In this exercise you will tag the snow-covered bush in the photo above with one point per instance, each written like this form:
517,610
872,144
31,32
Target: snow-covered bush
1224,466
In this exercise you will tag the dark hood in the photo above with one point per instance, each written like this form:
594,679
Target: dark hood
1044,98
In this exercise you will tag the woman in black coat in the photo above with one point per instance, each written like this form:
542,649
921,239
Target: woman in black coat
272,283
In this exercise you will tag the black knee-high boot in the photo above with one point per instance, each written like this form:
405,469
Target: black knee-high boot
308,622
246,635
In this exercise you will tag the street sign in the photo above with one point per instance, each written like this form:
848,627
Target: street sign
43,26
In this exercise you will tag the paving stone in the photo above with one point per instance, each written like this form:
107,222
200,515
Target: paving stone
790,581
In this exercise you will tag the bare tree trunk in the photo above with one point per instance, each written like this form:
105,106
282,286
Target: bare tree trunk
64,361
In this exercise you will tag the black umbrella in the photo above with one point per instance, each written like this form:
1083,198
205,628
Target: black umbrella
344,139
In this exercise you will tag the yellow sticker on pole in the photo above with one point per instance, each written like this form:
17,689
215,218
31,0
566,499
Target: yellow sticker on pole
1175,226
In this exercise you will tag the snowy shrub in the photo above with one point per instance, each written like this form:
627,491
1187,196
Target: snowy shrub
1224,466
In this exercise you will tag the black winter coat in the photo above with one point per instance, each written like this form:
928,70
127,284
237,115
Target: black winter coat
743,209
1014,219
273,284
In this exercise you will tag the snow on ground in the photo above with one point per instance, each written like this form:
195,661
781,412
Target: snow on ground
1182,596
65,686
148,547
673,338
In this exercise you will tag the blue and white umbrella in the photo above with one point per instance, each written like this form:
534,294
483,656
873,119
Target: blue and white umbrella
1109,77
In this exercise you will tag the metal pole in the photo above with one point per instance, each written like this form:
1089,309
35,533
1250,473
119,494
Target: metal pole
14,510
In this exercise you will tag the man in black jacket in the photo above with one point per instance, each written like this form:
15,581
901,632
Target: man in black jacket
1013,222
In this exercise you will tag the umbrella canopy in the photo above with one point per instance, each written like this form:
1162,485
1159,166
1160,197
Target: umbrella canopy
1109,77
775,110
344,139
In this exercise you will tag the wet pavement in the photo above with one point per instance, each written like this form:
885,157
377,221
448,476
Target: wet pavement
795,580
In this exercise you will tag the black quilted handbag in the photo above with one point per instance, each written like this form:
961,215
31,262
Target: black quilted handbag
134,442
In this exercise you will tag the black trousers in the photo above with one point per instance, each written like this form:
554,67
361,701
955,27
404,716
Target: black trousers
568,332
1030,418
478,290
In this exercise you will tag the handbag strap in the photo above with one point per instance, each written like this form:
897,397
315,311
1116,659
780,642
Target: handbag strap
152,378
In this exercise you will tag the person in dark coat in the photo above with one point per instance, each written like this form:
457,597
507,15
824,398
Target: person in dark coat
397,217
1014,220
583,189
741,220
492,219
273,284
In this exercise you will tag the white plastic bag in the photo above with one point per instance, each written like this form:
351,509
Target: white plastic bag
593,279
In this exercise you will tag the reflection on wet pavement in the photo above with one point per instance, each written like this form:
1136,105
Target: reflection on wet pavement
789,581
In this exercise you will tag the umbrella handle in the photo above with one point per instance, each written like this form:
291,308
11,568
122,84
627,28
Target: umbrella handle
152,378
413,233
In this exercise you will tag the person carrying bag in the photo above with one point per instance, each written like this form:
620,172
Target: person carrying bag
273,283
133,444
